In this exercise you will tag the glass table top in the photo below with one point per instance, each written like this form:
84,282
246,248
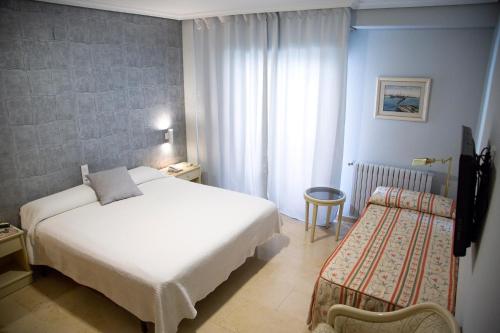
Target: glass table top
325,193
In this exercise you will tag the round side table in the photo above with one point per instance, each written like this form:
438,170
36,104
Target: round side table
324,196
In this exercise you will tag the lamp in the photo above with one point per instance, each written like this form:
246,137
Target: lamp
429,161
169,135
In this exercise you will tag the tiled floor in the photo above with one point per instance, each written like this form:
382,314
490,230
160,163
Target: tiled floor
263,295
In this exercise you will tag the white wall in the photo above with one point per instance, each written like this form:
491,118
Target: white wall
455,60
478,299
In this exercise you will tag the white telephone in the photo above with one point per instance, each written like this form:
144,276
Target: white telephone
178,167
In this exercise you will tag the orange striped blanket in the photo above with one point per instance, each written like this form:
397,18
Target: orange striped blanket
392,257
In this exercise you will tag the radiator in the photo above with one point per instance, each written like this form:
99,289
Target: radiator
368,176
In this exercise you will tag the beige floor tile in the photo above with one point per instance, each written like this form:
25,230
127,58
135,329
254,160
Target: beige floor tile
10,311
44,290
266,291
296,305
206,327
244,316
269,293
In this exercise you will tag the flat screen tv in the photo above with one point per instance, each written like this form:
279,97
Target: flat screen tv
472,193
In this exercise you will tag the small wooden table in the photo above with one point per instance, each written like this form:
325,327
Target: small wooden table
15,271
189,171
324,196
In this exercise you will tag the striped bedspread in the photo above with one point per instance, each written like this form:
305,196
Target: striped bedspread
391,258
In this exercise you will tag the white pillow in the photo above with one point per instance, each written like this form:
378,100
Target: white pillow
144,174
57,203
81,195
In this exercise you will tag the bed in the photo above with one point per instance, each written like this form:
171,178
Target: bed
398,253
156,254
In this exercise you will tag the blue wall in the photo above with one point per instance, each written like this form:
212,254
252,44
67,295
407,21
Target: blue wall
455,60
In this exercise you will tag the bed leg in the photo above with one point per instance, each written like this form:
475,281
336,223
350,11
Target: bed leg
144,327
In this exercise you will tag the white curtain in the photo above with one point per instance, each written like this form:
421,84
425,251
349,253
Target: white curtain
307,106
231,60
269,102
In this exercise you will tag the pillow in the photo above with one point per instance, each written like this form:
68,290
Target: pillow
113,185
419,201
38,210
144,174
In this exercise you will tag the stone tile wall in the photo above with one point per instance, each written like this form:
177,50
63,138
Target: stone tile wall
82,86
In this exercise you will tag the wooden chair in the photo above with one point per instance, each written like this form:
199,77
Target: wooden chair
420,318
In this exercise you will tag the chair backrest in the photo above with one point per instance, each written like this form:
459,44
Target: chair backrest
423,322
420,318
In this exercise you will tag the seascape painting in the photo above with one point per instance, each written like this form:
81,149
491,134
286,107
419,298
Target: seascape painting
402,98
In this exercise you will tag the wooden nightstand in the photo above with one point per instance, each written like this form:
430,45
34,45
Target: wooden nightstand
190,171
15,271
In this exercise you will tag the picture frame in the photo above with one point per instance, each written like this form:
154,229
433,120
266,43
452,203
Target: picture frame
402,98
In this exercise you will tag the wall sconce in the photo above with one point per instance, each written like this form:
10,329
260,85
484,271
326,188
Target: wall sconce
429,161
169,135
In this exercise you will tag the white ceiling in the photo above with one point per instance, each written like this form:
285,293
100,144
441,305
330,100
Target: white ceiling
188,9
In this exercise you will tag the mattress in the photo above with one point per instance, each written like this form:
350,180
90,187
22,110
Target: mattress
157,254
399,253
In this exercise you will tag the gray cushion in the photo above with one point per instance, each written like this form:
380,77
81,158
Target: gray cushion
112,185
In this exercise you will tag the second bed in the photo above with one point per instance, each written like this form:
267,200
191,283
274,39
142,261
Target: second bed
397,254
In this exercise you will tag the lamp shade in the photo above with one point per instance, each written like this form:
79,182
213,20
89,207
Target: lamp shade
420,161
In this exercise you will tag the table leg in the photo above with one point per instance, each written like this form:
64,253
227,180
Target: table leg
328,216
339,219
315,215
307,215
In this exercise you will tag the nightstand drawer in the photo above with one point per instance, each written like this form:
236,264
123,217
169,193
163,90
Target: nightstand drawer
10,246
190,175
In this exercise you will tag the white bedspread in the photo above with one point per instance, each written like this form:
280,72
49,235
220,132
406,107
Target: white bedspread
155,255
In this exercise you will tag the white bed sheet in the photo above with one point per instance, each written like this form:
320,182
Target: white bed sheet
158,254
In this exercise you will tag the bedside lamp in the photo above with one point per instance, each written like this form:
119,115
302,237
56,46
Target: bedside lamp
429,161
169,135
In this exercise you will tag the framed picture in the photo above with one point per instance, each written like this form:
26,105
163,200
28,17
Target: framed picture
402,98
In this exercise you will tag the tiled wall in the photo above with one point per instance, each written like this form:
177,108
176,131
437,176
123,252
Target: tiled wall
83,86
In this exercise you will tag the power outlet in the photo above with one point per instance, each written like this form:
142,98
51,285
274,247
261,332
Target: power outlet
85,172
